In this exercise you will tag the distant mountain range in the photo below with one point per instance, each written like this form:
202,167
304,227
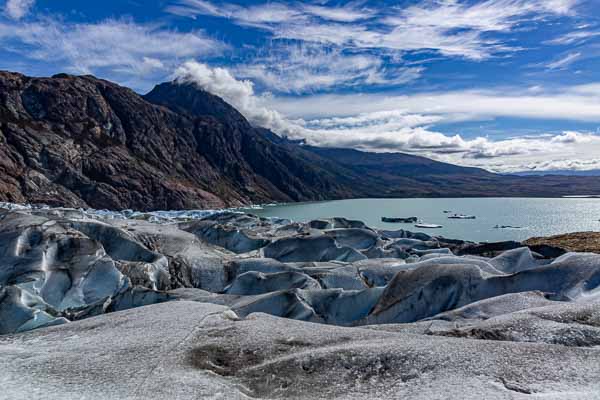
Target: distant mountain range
85,142
560,172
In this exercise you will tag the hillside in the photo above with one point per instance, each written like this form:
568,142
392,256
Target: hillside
82,141
85,142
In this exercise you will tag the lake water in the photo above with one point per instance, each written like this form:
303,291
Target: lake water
536,217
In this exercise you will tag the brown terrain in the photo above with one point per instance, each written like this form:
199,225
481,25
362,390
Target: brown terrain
588,242
80,141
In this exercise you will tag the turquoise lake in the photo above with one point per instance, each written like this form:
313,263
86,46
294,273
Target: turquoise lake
534,216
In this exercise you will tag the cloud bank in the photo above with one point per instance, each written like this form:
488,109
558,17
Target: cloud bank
406,123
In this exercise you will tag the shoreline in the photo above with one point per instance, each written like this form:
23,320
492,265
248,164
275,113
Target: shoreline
578,241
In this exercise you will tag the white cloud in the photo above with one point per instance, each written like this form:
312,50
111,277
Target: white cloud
574,37
564,7
457,29
559,165
578,103
572,137
120,46
399,118
405,123
238,93
258,15
307,67
589,89
449,27
564,62
269,13
17,9
191,8
318,46
339,14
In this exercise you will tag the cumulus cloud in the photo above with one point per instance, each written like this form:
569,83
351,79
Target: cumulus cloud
546,152
17,9
573,137
399,131
238,93
558,165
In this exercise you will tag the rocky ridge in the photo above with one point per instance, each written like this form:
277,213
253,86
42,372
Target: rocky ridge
86,142
79,141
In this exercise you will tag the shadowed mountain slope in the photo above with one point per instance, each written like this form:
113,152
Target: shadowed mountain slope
81,141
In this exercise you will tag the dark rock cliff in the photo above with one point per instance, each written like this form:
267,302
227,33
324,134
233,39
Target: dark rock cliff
81,141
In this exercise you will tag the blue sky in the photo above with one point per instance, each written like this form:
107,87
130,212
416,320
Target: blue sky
507,85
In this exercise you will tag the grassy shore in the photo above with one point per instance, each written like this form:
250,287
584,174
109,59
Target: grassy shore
577,241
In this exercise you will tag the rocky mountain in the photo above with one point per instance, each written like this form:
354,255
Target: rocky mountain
405,175
82,141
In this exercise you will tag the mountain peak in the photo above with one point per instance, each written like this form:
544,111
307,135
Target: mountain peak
189,98
83,141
